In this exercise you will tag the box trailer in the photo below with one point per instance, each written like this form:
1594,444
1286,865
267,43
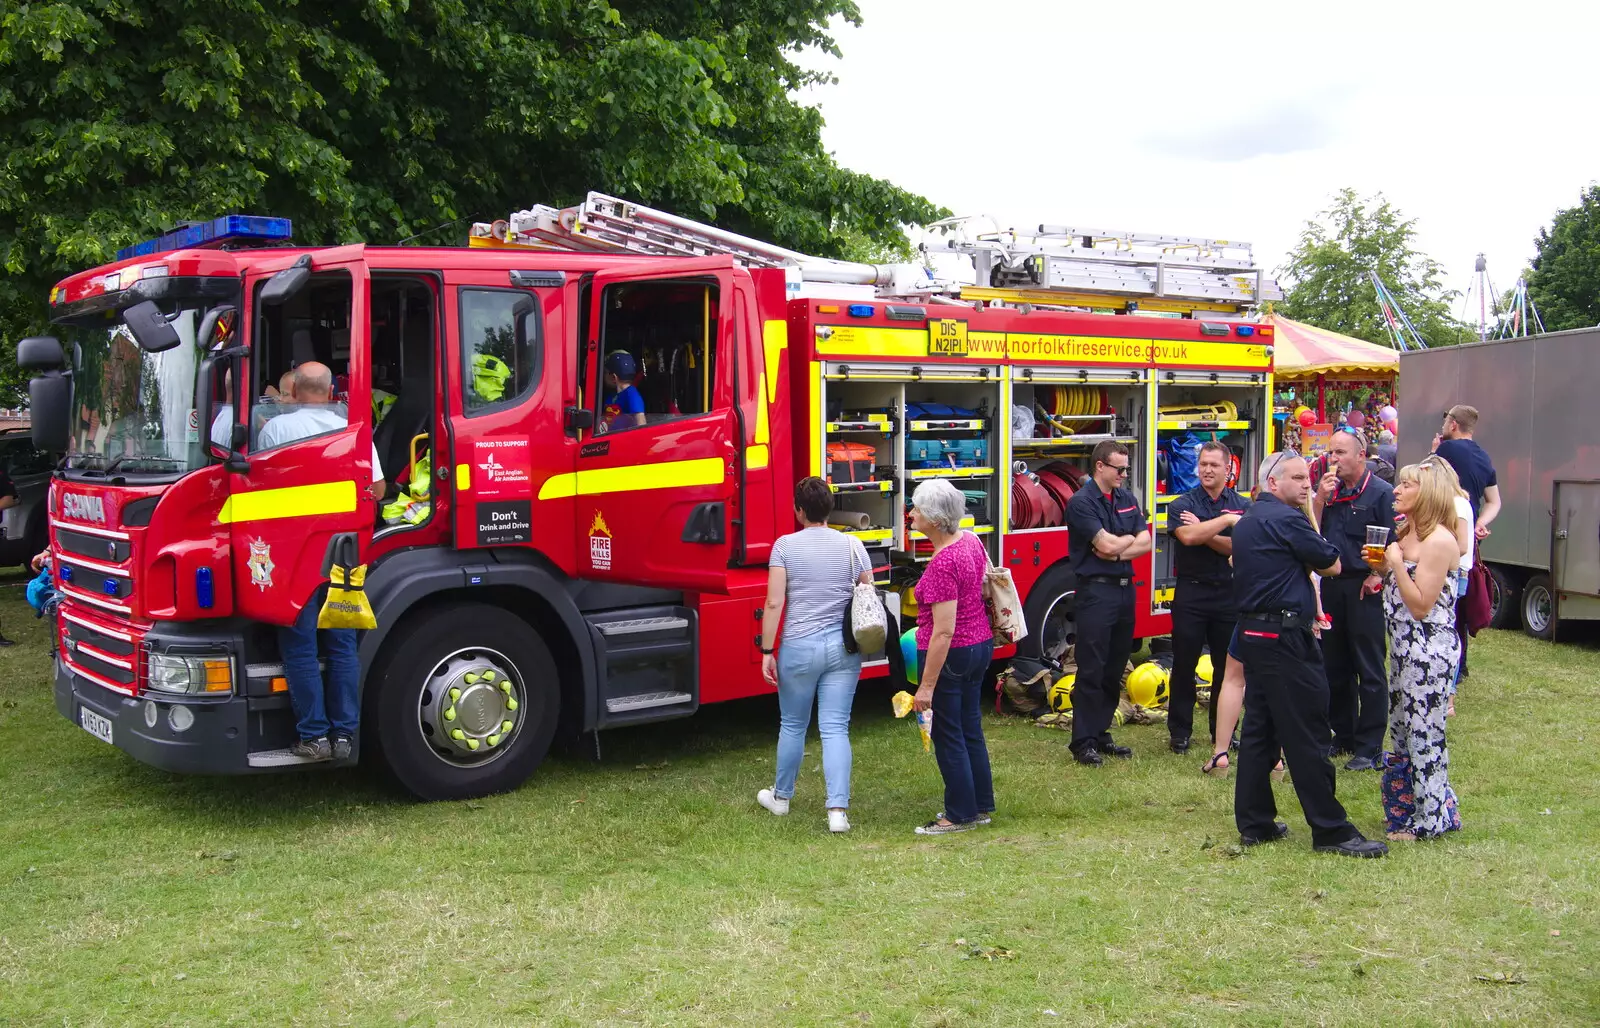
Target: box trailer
1537,398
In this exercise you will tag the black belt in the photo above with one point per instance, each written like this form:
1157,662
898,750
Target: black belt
1113,579
1206,581
1286,618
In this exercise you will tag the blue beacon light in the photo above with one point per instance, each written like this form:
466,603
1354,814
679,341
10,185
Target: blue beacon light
229,228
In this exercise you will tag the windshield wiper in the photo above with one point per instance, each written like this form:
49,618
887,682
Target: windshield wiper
138,456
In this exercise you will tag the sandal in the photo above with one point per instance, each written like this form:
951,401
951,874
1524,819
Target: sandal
938,827
1215,766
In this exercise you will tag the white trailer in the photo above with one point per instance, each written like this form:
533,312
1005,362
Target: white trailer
1538,401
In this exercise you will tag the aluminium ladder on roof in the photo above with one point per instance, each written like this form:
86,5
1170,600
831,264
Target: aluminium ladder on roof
1128,265
606,224
1069,262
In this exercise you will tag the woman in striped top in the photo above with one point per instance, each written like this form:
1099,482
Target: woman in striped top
811,577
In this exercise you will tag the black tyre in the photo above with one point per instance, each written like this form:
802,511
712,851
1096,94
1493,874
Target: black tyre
1048,611
1505,595
1538,608
464,704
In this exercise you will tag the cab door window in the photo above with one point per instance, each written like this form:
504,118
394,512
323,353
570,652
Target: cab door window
657,353
501,343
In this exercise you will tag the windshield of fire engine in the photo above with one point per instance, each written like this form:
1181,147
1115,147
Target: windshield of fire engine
134,411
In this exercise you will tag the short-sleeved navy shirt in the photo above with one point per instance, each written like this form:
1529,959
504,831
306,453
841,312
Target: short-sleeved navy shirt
1472,466
1274,549
1346,517
1202,562
1087,513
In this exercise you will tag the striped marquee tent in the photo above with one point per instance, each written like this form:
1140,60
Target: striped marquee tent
1304,354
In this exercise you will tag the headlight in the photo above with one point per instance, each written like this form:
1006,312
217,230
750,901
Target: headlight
192,673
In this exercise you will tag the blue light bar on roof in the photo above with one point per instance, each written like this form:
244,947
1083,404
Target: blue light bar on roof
230,228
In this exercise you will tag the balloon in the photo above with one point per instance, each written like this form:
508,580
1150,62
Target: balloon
1388,414
1356,419
1308,417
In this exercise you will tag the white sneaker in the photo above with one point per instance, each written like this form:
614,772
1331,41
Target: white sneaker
767,799
837,822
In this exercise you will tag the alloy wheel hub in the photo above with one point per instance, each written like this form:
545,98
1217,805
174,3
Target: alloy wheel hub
471,707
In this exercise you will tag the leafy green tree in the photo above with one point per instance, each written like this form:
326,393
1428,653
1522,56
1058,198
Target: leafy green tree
383,120
1565,281
1329,273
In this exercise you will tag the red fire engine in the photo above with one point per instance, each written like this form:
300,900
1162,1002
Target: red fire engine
531,570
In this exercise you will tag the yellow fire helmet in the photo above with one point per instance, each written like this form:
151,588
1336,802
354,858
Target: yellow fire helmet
1147,686
1060,697
1203,670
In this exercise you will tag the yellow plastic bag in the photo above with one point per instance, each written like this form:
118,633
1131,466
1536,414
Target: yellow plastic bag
903,702
347,605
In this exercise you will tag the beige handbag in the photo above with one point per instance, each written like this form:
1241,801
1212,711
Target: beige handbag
1001,601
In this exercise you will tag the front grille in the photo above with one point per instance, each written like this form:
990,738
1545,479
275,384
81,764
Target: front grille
94,547
98,653
93,581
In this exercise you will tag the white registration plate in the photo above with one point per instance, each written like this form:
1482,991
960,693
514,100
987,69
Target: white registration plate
94,724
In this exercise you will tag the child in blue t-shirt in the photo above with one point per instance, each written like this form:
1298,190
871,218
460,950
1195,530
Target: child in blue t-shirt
623,407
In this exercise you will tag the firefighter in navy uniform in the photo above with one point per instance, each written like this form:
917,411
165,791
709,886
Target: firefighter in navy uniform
1107,529
1274,550
1349,499
1201,522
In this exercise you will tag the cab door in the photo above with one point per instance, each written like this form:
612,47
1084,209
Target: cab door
656,496
508,378
296,497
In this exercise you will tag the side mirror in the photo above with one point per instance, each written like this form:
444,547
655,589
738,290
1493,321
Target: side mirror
208,326
283,286
40,353
205,406
150,328
50,410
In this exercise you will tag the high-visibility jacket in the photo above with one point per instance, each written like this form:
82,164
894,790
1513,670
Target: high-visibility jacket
489,377
412,506
381,403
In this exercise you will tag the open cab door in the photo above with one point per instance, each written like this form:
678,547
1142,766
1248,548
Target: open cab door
657,483
307,477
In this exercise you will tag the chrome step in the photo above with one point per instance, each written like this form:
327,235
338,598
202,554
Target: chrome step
618,704
638,625
279,758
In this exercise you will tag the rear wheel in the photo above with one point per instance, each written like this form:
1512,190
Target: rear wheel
1538,610
1049,613
465,704
1504,594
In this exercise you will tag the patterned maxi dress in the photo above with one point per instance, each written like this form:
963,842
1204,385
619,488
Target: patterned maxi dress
1422,667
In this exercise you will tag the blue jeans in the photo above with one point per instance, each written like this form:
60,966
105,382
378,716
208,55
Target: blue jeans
298,644
816,668
958,744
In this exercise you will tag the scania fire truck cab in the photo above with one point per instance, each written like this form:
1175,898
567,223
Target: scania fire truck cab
553,566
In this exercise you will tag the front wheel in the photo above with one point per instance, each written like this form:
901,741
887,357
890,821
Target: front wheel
465,704
1538,608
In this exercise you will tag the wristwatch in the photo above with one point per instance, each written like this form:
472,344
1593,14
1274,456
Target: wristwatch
766,652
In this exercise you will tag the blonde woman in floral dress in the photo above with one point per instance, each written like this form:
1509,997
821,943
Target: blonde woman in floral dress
1419,608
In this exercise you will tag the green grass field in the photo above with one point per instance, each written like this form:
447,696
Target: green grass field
649,889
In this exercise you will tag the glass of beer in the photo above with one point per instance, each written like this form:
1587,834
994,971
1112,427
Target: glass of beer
1377,542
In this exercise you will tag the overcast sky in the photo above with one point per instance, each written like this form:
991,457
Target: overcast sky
1234,120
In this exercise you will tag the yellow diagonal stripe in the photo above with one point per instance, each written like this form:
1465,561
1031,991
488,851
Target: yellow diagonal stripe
635,478
296,501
